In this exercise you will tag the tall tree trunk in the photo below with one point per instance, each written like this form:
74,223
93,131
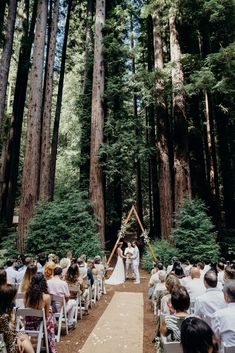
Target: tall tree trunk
165,182
182,184
3,4
6,56
54,145
11,149
47,104
30,180
211,160
86,101
97,123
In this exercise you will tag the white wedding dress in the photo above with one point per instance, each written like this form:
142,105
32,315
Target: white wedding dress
118,275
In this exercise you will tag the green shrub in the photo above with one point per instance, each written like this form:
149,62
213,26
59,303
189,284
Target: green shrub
194,234
163,251
64,225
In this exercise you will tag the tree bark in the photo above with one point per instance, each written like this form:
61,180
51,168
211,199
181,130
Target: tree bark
55,135
97,123
11,148
3,4
182,184
47,104
30,180
6,56
165,182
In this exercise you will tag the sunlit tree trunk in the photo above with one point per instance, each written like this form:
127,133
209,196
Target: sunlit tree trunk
30,180
11,147
6,56
54,145
97,123
182,184
165,183
47,101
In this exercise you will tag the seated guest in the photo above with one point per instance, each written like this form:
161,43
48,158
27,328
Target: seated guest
171,282
99,266
21,272
49,270
170,267
220,270
3,277
84,259
41,262
160,289
37,297
171,324
229,272
196,286
154,279
73,279
56,286
201,267
53,258
29,273
212,300
179,272
207,263
14,344
223,320
64,264
91,271
197,337
82,269
12,274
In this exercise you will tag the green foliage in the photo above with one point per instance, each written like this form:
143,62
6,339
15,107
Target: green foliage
64,225
163,250
194,233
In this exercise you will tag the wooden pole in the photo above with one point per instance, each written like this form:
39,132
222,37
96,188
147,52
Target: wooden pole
151,250
120,236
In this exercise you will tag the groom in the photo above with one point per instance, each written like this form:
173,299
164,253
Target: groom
135,262
128,253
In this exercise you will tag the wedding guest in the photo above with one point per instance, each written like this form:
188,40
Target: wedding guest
64,264
220,270
49,270
171,282
99,266
223,320
136,262
53,258
212,300
82,269
3,277
37,297
229,272
29,273
12,274
197,337
207,263
14,343
196,286
170,267
41,262
171,324
21,272
160,289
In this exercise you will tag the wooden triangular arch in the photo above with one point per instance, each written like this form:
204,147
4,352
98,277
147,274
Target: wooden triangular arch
121,235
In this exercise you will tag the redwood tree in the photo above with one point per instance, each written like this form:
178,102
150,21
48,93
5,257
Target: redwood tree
97,123
30,180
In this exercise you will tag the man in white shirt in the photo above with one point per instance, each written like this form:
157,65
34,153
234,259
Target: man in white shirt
196,286
220,268
223,320
82,269
128,253
56,286
21,272
211,301
136,262
12,274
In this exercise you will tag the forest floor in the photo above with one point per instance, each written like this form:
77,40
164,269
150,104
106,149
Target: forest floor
73,342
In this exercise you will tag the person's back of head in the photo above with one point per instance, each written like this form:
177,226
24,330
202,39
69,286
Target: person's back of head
229,291
49,270
58,271
10,262
179,272
31,270
162,276
28,261
201,265
171,282
64,262
220,266
160,266
3,277
197,336
35,291
229,272
210,279
72,273
180,299
195,272
7,296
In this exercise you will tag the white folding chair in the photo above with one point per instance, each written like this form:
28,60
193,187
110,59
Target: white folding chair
171,347
192,307
19,301
229,349
79,306
60,315
40,333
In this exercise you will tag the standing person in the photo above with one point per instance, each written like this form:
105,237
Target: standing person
128,253
136,262
118,275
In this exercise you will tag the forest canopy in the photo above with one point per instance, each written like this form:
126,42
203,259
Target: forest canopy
124,101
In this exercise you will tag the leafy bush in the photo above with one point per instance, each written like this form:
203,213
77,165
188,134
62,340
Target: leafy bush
64,225
163,251
194,233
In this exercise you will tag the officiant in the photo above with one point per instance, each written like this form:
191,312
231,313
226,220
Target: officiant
128,253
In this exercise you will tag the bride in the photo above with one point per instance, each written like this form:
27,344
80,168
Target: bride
118,275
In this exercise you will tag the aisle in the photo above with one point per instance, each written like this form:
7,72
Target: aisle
120,328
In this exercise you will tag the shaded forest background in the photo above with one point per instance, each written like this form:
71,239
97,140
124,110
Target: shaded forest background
105,104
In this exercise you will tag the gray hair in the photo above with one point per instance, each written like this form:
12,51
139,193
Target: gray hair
229,289
162,275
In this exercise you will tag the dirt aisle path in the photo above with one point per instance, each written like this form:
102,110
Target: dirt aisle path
73,342
120,328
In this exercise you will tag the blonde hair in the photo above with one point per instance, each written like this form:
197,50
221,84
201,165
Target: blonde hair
49,270
171,282
30,271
